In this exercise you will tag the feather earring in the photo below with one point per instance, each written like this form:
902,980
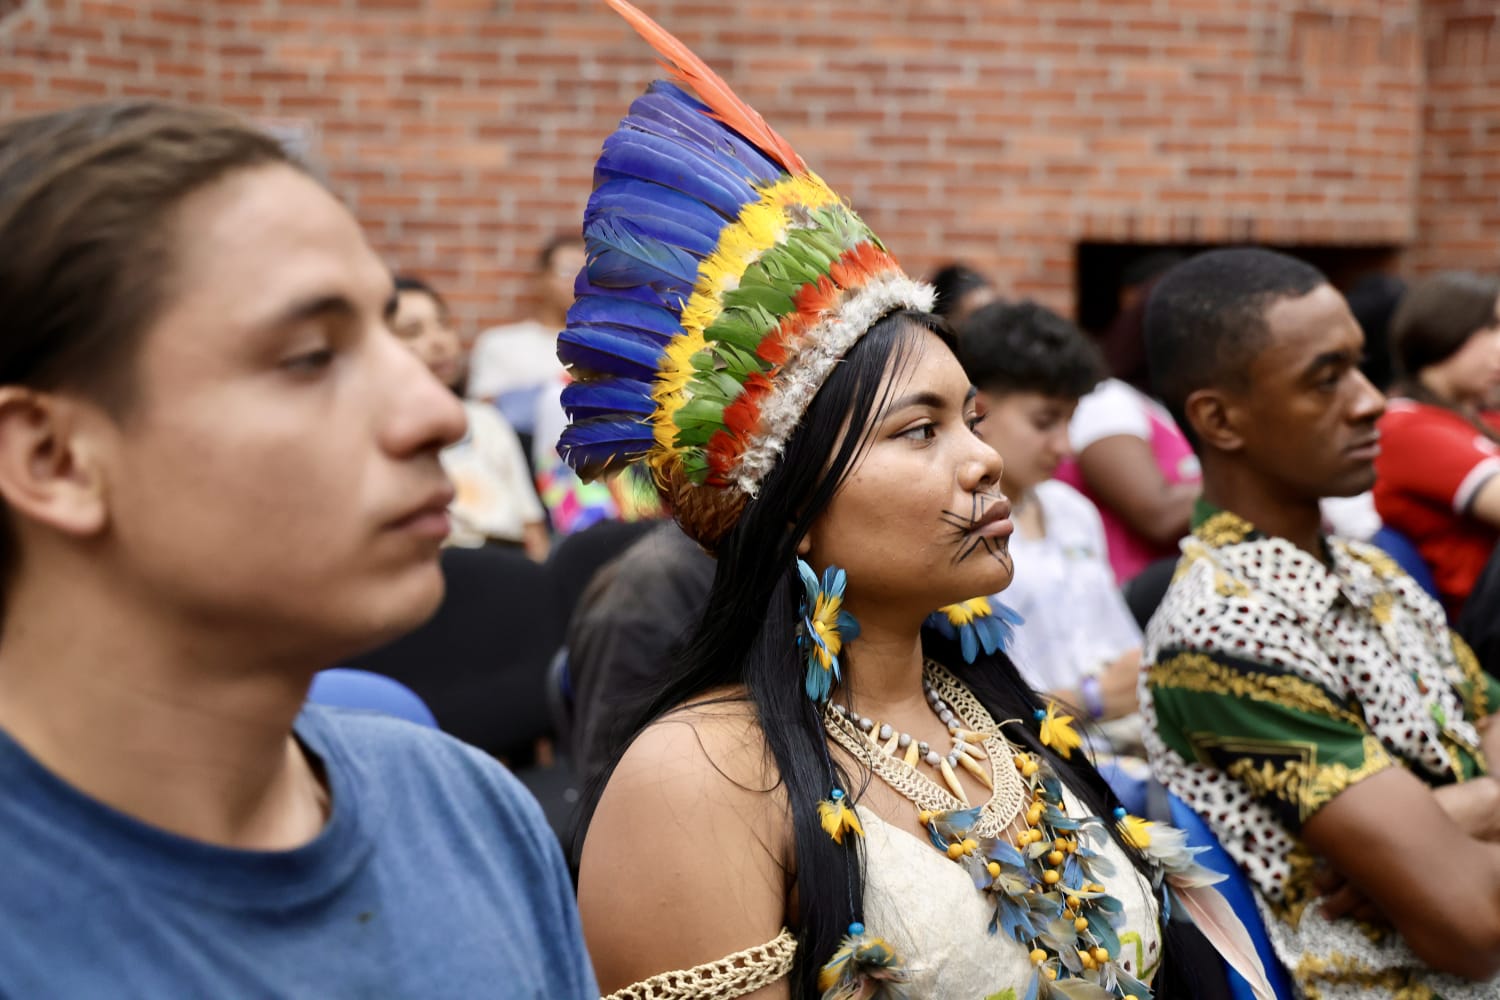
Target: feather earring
825,628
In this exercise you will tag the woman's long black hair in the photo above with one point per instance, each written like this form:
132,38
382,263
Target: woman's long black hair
747,637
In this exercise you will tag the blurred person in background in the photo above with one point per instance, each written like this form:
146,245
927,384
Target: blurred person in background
1436,477
1132,460
1122,342
512,364
1079,641
960,291
220,474
495,502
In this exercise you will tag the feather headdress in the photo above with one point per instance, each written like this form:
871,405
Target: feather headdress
724,282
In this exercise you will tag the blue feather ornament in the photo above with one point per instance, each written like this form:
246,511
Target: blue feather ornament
622,255
705,163
629,316
672,228
664,201
613,352
667,110
601,446
865,967
608,397
673,166
644,295
981,623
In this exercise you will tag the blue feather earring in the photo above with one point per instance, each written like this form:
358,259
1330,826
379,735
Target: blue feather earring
825,628
978,623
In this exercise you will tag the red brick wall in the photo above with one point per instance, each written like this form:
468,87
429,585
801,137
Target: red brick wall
462,132
1459,210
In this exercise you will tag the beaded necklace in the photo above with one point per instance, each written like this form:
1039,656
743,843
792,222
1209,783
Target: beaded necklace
966,751
976,739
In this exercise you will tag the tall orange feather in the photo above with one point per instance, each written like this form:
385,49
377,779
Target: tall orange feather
711,89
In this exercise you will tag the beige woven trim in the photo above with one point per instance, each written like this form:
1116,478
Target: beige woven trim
735,975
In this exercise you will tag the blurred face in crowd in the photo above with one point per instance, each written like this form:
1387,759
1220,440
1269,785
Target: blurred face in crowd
920,521
422,324
971,302
560,273
277,475
1306,418
1030,431
1471,374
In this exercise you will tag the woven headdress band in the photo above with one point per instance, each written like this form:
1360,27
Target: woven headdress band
724,282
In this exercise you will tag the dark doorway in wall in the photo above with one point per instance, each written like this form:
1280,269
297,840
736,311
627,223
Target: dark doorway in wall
1110,278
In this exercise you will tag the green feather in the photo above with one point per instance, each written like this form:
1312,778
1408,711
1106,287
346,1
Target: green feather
774,300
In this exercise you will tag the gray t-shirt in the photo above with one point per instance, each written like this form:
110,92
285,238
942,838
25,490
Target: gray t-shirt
434,877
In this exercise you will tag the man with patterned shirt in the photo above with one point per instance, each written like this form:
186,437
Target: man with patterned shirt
1302,694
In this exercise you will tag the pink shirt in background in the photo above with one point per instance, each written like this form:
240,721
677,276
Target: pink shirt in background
1116,408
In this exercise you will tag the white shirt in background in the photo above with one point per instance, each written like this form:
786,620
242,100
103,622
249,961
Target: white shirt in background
1076,619
495,496
517,356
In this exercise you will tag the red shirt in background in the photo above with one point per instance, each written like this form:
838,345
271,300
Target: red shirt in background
1432,463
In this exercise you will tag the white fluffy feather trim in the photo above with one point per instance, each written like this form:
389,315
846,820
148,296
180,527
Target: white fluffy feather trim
822,347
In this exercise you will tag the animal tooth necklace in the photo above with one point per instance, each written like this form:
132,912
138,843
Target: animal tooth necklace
977,747
966,751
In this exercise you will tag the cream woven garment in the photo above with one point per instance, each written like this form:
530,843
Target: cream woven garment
926,906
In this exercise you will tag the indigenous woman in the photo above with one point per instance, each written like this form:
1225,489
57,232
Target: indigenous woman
828,797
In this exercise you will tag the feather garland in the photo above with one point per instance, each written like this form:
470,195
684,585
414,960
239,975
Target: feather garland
708,85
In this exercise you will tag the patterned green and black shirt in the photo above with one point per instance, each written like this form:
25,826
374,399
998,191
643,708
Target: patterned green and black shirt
1274,681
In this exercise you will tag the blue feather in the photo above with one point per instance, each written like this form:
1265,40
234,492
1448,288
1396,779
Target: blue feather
648,223
636,200
598,349
667,111
619,258
689,156
653,322
648,296
598,446
651,159
607,398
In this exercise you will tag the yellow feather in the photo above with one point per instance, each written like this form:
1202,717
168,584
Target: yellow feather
964,612
837,819
759,227
1058,732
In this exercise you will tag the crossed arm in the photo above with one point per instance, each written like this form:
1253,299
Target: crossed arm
1437,883
1424,860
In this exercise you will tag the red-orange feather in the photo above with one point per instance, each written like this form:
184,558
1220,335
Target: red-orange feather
711,89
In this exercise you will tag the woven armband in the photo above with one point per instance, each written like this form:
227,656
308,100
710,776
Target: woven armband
735,975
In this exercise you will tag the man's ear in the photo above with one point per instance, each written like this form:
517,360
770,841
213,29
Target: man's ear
1216,419
48,468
